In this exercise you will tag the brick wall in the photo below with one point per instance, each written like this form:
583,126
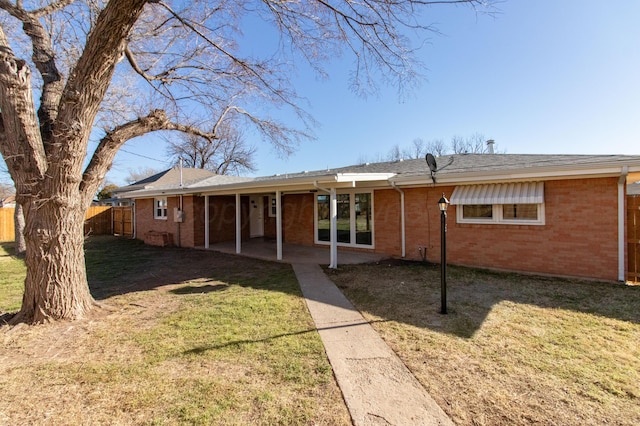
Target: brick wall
578,239
386,221
146,223
297,218
222,218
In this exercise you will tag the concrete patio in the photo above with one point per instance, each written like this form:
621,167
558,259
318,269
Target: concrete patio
265,249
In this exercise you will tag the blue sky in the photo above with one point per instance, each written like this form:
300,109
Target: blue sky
540,77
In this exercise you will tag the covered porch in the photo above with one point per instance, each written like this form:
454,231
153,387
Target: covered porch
266,249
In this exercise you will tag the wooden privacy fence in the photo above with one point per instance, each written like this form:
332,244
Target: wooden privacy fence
6,224
633,238
98,221
123,221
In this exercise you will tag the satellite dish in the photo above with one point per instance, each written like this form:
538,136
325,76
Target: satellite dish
431,161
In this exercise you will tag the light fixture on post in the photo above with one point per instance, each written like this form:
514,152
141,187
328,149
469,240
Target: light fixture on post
443,204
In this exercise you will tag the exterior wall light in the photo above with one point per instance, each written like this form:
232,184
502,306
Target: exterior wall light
443,204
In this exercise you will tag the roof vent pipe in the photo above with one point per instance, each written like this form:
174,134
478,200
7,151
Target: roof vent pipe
490,143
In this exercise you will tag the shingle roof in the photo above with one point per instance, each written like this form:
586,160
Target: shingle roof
449,164
451,167
168,179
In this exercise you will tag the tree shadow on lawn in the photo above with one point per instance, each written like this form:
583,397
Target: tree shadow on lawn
117,266
409,292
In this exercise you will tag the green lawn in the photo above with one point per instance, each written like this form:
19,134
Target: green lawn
11,279
514,349
186,337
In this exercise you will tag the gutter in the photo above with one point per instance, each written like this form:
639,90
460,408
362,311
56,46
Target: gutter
402,225
622,182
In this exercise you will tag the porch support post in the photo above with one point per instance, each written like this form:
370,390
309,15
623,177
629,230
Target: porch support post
333,212
206,221
238,224
278,225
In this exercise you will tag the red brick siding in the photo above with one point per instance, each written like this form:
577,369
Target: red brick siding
222,218
297,218
145,222
578,239
386,221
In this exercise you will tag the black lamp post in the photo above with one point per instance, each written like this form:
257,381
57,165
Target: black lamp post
443,204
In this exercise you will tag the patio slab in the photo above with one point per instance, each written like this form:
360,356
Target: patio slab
265,249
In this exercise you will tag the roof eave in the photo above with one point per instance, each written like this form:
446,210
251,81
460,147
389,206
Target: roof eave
577,171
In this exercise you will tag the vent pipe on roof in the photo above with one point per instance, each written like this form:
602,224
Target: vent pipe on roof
490,143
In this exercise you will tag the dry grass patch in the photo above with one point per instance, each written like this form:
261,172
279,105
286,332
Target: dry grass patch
514,349
187,337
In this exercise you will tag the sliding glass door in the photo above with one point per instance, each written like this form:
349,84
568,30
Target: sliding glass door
354,218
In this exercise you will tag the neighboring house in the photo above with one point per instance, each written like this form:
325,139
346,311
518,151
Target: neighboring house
546,214
9,201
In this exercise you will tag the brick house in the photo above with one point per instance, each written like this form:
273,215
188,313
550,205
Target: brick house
546,214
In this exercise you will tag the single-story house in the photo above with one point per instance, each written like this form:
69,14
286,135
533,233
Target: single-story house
8,201
560,215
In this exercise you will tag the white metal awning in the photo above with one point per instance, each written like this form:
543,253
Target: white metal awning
500,193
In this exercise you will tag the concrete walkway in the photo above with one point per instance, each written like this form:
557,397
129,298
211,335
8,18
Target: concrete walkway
377,387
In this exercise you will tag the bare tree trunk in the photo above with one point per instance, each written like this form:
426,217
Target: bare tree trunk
18,226
56,283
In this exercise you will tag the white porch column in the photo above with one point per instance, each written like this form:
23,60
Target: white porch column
206,221
333,212
238,224
278,226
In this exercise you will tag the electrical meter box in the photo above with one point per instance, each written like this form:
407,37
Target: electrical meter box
178,215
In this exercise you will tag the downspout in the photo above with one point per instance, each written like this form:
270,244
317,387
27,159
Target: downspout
238,224
278,225
622,181
333,232
402,229
206,221
179,219
133,221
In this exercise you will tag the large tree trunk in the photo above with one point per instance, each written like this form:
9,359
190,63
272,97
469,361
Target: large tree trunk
56,283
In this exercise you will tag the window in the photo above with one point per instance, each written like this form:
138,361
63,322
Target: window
160,208
354,218
272,206
515,214
519,203
477,211
520,212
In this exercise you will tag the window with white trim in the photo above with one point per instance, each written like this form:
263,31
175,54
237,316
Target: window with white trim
509,203
354,221
160,208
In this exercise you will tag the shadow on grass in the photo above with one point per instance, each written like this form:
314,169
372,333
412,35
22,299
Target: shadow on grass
117,266
190,289
409,292
8,248
202,349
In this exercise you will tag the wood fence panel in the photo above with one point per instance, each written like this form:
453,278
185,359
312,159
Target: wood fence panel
7,233
98,221
123,221
633,238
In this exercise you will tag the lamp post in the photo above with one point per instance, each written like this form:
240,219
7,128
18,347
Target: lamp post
443,204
